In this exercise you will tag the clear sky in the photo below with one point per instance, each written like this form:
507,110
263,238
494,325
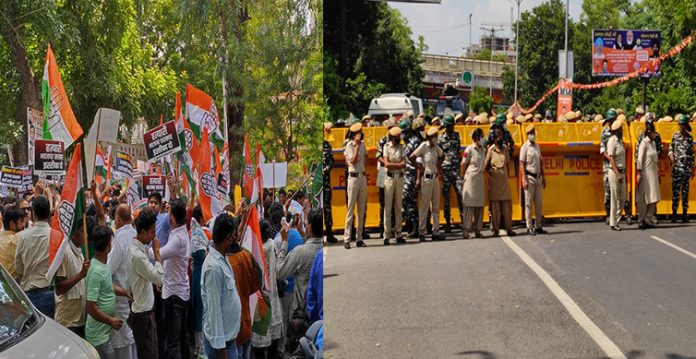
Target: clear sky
443,25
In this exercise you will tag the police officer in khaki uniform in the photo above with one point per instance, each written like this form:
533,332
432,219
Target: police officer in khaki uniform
533,180
429,173
617,174
393,159
355,154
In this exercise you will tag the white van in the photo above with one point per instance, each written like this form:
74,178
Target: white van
394,104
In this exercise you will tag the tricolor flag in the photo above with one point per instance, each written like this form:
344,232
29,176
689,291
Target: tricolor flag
208,194
59,120
68,213
101,168
248,170
202,114
259,305
257,192
189,144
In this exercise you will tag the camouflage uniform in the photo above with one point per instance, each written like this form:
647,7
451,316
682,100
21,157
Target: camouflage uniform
451,146
328,163
410,199
682,150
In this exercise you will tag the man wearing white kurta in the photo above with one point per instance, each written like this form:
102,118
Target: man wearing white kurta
473,191
647,177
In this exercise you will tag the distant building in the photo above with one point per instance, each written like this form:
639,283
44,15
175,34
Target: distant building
500,45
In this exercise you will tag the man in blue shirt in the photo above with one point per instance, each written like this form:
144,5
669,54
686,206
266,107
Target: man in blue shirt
315,290
222,307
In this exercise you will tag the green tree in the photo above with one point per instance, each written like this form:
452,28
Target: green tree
480,101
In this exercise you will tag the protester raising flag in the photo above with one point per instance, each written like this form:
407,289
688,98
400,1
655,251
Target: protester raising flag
248,170
211,203
259,304
189,145
202,113
59,120
102,169
68,215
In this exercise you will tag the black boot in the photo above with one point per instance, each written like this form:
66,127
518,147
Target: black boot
413,233
330,238
447,227
674,216
685,216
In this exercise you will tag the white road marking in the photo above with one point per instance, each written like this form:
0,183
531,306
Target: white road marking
676,247
608,346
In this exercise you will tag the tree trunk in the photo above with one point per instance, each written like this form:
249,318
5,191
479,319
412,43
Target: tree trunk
29,95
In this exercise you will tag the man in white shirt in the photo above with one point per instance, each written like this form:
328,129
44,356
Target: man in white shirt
175,288
118,261
141,276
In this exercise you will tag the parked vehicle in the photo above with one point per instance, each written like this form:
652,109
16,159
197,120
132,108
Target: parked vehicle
26,333
454,103
394,104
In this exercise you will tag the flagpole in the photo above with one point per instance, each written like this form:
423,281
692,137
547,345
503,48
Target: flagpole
96,143
274,179
84,198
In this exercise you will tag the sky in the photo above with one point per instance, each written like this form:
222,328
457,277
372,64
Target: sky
443,25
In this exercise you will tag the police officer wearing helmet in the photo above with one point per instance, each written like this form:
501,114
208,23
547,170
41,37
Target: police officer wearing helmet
393,159
429,172
450,143
389,123
413,138
355,154
681,155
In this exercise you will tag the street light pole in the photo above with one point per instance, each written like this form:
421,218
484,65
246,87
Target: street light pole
517,47
490,63
566,38
469,34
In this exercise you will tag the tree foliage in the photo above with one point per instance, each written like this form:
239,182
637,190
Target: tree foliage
374,55
671,93
480,100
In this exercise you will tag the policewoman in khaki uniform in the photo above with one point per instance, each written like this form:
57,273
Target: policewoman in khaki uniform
474,182
499,193
429,173
617,174
533,181
647,177
355,154
393,159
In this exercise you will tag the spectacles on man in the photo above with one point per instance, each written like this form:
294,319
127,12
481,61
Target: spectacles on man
26,210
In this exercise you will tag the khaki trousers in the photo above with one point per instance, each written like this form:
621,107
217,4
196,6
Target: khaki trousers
393,198
472,219
357,195
532,195
430,199
501,209
617,191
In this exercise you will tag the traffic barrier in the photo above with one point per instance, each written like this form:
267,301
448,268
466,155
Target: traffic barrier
572,164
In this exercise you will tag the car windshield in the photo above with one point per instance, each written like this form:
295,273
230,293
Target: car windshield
16,312
457,106
440,109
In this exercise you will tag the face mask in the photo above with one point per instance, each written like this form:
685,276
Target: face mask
422,133
531,137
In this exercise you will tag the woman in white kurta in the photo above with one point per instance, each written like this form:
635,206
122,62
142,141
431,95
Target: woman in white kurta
473,191
647,177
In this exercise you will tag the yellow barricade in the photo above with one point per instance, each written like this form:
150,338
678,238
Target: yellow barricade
666,131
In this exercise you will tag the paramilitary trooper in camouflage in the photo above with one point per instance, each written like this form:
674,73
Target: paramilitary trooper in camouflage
327,164
606,134
389,123
681,155
413,138
450,143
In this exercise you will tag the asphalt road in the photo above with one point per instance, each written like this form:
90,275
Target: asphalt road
480,299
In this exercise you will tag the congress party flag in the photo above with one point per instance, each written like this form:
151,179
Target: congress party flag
249,170
202,114
208,194
59,120
68,213
101,168
189,143
259,305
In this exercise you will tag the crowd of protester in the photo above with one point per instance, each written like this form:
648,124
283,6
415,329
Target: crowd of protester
163,283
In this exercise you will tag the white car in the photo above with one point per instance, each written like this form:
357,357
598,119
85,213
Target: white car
26,333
